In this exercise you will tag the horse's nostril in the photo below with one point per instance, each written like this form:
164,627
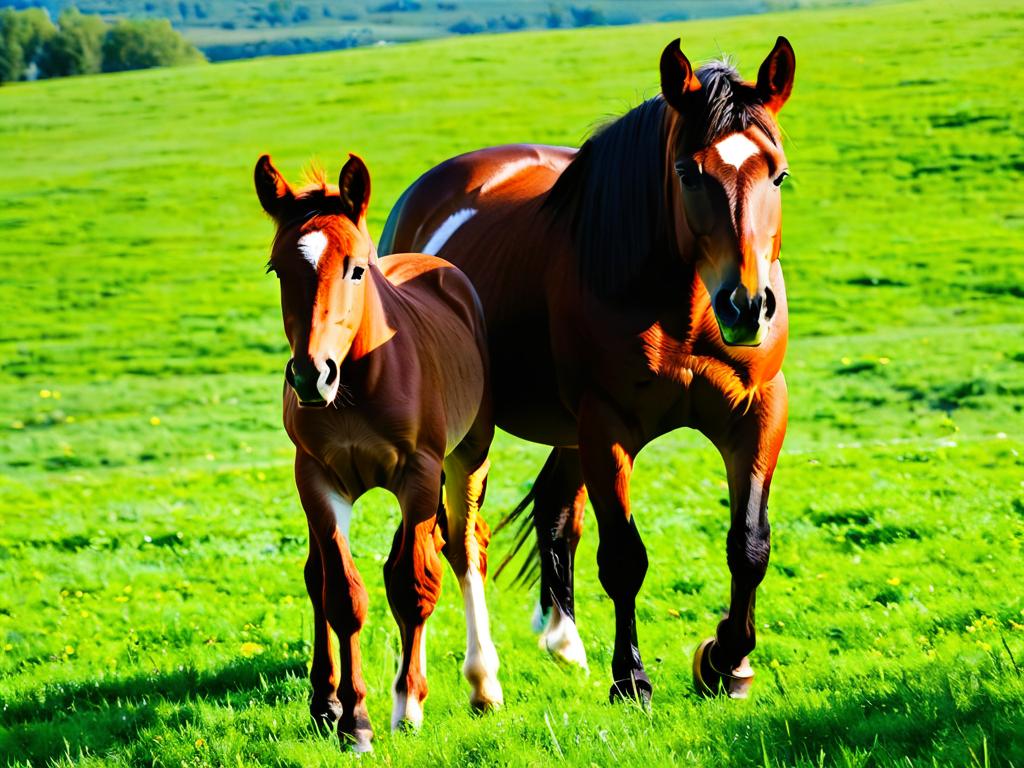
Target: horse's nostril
727,312
769,303
289,373
332,372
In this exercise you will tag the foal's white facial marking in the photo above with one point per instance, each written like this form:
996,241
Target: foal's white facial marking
446,230
312,246
736,150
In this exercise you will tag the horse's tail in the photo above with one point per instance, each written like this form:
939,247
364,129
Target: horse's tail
529,571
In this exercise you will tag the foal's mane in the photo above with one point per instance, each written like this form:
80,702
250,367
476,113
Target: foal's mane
616,191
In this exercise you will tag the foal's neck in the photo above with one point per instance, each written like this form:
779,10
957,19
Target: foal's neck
373,330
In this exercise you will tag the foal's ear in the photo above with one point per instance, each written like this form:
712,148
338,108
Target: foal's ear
271,188
775,78
677,78
354,186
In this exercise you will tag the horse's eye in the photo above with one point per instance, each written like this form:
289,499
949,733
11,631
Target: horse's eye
777,181
357,273
688,175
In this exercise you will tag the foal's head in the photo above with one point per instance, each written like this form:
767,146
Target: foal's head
321,255
730,164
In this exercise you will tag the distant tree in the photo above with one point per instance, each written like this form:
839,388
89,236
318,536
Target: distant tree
145,43
397,6
466,26
22,36
553,18
586,16
76,47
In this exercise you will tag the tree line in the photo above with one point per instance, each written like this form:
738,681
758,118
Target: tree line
32,46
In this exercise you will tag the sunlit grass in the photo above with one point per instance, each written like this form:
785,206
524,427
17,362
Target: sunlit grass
152,608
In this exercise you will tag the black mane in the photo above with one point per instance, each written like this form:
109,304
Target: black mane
615,192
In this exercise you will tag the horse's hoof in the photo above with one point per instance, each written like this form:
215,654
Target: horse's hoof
636,688
708,681
325,715
487,699
358,742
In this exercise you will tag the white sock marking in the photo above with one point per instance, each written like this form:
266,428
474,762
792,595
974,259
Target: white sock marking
481,666
562,640
736,150
312,246
446,230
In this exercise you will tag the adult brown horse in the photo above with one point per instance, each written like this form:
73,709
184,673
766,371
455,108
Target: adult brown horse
631,288
396,348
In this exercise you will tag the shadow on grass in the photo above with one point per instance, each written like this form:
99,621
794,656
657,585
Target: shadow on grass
939,714
68,719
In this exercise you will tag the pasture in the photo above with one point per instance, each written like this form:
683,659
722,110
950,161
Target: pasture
152,608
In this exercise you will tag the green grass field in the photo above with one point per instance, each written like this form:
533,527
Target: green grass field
152,607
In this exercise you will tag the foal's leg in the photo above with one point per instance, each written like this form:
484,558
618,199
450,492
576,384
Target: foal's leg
466,549
344,595
324,707
412,576
558,513
750,449
607,448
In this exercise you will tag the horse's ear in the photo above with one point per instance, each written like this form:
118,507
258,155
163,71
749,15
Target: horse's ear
354,186
271,188
677,78
775,78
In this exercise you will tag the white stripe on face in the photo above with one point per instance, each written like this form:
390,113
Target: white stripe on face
446,230
736,150
312,246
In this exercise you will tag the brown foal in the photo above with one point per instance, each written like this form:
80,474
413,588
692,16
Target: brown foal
387,387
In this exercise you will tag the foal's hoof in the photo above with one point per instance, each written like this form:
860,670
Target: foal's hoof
325,715
710,681
487,698
636,687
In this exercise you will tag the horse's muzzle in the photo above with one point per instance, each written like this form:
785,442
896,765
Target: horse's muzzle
743,320
315,385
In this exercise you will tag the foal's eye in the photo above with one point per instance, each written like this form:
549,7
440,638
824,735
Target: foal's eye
777,181
357,273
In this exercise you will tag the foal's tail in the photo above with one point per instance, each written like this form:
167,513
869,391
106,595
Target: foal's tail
529,571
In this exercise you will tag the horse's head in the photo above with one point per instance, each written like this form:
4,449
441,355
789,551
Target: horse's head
730,164
322,255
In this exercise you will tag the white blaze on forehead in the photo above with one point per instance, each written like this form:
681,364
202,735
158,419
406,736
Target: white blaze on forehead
736,150
446,230
312,246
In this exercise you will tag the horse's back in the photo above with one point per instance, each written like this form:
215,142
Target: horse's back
446,196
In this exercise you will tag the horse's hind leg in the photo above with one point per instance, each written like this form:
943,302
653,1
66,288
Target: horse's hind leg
345,598
466,549
412,577
750,450
558,512
324,707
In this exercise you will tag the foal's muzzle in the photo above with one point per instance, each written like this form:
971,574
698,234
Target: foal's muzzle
315,384
743,320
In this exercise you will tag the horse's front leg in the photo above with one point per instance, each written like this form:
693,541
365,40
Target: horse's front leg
324,706
750,448
344,594
608,445
412,577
